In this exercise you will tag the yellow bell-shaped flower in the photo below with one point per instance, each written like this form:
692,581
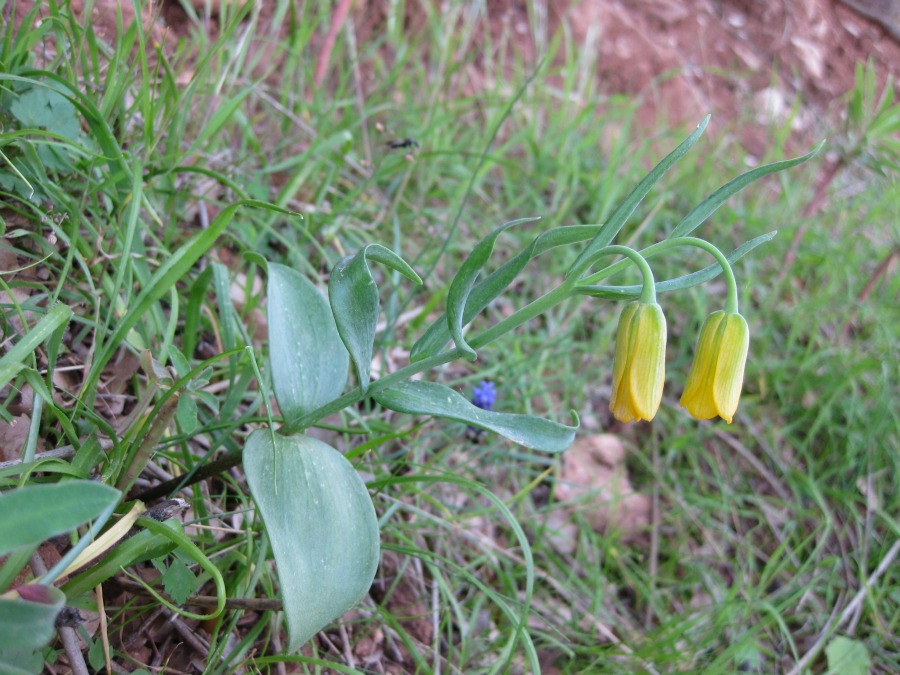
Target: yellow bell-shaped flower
639,366
717,374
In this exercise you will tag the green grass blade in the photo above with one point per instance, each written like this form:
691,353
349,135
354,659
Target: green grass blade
708,206
168,274
617,220
13,361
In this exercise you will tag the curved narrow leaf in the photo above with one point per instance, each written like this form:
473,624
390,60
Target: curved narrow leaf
354,302
387,257
708,206
11,362
172,270
321,523
37,512
462,284
430,398
27,623
143,546
678,283
438,333
617,220
186,546
308,361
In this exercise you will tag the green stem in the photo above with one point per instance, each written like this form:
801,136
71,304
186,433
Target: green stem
530,311
731,302
620,265
648,292
513,321
355,396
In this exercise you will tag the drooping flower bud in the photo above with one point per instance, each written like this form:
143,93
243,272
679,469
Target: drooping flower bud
717,374
639,366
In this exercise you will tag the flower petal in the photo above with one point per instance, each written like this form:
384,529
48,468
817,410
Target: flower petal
733,348
639,363
717,374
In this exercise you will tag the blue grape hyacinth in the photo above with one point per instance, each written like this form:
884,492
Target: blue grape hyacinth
484,395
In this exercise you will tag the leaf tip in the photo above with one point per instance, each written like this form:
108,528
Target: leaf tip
576,421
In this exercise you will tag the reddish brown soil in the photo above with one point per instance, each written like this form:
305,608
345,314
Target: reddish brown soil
734,56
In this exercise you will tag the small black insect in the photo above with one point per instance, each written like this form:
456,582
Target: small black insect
403,143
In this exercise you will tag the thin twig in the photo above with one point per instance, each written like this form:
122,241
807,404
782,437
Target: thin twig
73,652
208,470
104,626
197,643
207,601
67,634
347,647
826,633
63,452
883,269
812,208
744,452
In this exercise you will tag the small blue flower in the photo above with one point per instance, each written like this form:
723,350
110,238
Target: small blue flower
484,395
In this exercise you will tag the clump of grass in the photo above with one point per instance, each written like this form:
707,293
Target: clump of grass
768,535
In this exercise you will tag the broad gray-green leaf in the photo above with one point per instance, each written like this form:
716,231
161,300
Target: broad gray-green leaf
462,284
37,512
21,662
430,398
307,358
847,657
27,624
322,526
354,302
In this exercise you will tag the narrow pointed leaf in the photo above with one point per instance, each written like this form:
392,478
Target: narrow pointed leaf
322,526
387,257
143,546
678,283
430,398
462,284
12,361
354,301
37,512
708,206
308,360
171,271
617,220
438,333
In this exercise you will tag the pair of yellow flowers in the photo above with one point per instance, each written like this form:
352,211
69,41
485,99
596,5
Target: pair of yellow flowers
639,366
